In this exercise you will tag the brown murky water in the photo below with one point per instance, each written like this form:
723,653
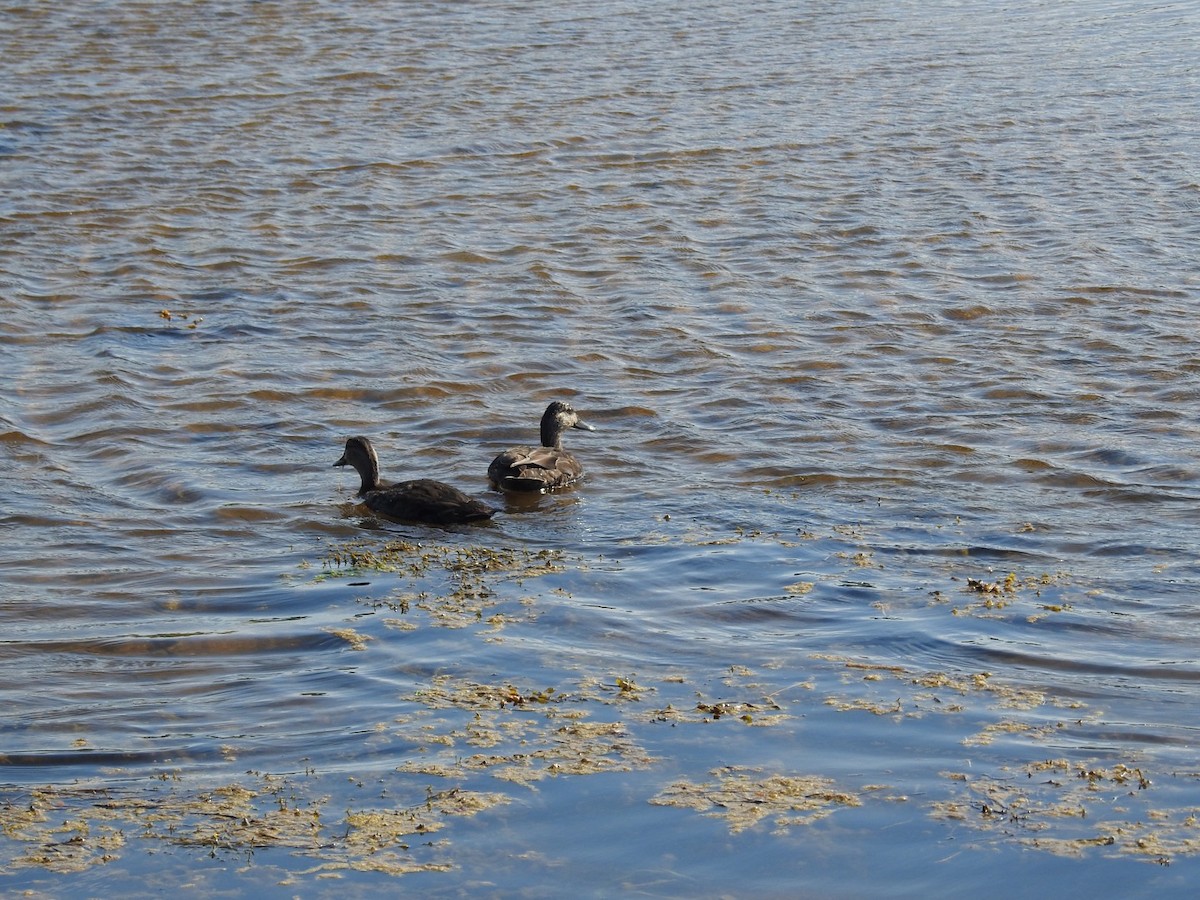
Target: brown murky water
884,577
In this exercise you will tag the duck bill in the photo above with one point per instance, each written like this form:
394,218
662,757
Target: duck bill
584,426
340,462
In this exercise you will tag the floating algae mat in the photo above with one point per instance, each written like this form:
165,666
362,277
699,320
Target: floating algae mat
67,830
744,797
454,585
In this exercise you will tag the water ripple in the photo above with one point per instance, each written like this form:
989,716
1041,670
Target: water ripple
880,315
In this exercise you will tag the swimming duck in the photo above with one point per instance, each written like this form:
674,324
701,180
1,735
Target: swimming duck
546,467
421,500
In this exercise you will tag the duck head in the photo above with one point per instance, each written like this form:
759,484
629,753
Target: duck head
558,417
360,454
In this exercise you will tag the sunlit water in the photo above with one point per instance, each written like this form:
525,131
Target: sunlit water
883,580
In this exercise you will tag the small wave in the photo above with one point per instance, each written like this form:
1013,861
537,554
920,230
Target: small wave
183,646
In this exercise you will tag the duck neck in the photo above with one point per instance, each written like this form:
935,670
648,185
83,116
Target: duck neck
370,475
551,433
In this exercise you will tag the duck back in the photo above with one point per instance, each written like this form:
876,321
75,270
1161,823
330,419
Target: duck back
424,500
534,469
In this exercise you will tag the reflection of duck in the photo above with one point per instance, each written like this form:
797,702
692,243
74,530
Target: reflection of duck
421,500
546,467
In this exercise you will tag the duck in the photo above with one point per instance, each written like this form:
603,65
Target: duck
421,500
546,467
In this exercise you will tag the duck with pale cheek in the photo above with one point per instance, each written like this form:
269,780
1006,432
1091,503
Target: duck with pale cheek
546,467
421,500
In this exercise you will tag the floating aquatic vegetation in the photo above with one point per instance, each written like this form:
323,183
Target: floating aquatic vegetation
1073,808
936,685
88,827
455,587
988,597
183,318
510,729
743,797
1056,805
861,558
71,829
697,534
612,689
532,752
53,836
1007,586
353,639
357,557
448,692
534,737
871,706
761,711
1008,727
761,714
376,839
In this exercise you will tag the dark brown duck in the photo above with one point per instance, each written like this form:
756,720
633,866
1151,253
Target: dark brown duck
421,500
546,467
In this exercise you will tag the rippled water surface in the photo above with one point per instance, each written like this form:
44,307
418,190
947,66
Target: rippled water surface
883,580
